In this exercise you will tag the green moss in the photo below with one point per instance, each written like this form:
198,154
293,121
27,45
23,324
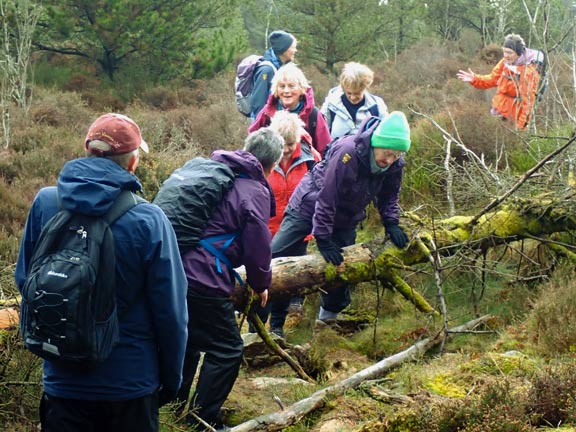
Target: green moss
445,385
514,363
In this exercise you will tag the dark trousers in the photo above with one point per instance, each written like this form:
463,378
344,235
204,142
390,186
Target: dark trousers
72,415
288,241
212,329
337,299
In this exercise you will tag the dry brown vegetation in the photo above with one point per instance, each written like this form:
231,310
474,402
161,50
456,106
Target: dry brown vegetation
195,118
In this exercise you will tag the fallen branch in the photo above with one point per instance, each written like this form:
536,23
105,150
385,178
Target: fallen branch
271,343
292,414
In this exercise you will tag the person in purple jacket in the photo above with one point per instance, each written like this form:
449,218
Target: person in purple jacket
212,328
144,370
331,199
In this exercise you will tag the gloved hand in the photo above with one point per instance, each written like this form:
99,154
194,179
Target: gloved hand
331,252
397,235
165,396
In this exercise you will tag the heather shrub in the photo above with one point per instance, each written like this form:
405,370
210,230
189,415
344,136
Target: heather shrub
552,396
102,100
551,323
160,97
21,395
54,108
494,406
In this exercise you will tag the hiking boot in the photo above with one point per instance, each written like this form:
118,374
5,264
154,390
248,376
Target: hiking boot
320,325
296,308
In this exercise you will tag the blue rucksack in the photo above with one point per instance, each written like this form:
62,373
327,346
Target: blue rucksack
69,314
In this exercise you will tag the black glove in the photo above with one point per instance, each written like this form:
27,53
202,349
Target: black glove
165,396
330,251
397,235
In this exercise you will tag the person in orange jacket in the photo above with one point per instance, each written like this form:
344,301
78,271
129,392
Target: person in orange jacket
516,77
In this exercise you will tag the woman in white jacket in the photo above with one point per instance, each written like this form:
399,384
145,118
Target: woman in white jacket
347,105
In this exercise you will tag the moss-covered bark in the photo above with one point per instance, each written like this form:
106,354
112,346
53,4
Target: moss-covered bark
377,260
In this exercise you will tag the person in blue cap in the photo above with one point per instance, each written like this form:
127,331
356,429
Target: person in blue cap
282,50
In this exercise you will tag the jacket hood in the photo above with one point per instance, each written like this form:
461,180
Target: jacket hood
90,185
245,164
271,57
334,99
530,56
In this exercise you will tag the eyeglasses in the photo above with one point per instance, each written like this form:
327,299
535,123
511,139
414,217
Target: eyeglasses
392,154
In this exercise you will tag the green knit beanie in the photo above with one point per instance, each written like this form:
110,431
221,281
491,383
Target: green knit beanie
392,133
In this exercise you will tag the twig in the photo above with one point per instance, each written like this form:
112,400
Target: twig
470,153
19,383
522,180
279,402
202,421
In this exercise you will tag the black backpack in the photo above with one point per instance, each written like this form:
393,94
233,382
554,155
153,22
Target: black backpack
69,312
190,195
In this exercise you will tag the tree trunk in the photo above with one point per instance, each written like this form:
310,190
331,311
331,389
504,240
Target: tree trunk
377,260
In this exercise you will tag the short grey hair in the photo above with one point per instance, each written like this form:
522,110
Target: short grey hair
102,146
288,125
266,145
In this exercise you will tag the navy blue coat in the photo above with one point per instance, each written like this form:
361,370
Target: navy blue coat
151,286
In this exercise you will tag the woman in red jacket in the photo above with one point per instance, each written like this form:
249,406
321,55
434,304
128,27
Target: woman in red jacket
298,157
516,77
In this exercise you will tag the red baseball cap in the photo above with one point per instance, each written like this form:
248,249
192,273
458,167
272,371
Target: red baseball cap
119,131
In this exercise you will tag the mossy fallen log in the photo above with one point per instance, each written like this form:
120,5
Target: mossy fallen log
377,260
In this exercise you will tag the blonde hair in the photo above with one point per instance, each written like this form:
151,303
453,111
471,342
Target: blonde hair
288,125
289,72
121,159
356,76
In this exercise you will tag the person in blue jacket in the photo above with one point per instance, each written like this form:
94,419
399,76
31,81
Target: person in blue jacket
331,200
282,50
144,370
212,328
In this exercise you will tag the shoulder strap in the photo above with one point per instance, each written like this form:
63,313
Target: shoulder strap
125,201
330,120
208,244
312,121
374,110
262,61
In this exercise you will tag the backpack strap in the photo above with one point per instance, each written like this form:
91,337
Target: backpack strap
312,122
124,202
208,244
374,110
